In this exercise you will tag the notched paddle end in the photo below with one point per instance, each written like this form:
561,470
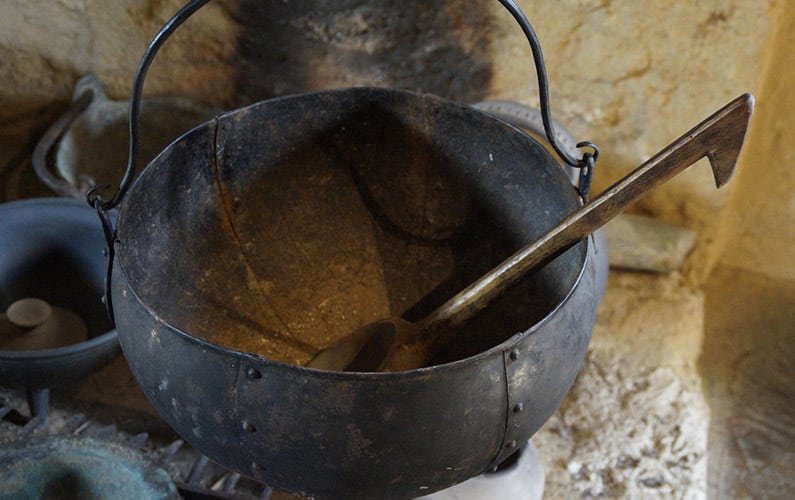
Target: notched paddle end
728,139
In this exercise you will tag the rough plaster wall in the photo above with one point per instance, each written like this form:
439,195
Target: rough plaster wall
749,343
633,76
760,228
47,45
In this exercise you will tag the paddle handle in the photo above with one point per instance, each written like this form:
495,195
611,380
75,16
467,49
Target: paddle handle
719,138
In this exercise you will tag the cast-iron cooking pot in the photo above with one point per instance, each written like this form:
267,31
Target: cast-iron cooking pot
230,215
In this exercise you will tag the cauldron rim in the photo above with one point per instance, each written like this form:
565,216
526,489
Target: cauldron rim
260,360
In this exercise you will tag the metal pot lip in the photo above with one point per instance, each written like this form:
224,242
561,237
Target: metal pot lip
585,262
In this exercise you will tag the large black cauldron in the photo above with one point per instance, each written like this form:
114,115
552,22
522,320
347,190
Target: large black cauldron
230,245
203,217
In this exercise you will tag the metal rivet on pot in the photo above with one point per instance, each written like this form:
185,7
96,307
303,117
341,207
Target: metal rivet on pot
512,445
248,426
514,354
518,407
253,374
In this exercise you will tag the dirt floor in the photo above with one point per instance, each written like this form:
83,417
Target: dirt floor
634,425
685,393
748,372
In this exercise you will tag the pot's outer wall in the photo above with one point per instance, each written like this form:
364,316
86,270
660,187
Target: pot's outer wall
325,434
544,361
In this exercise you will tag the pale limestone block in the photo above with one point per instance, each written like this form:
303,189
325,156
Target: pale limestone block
646,244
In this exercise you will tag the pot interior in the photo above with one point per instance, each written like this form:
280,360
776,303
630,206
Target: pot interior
281,227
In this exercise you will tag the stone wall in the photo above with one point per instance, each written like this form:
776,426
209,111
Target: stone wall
631,76
47,45
760,227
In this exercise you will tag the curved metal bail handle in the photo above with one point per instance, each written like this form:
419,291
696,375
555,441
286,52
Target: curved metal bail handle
47,143
135,101
587,160
94,199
